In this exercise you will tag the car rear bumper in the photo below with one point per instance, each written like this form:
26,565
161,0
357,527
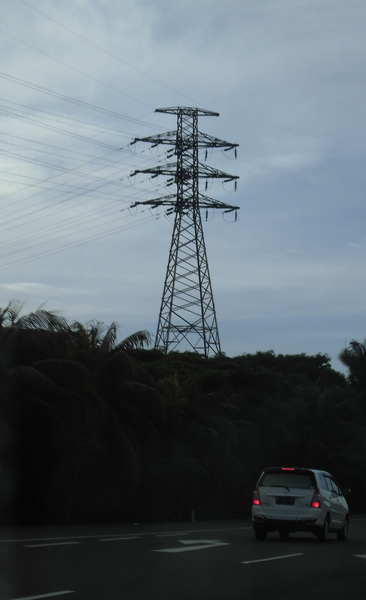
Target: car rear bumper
305,524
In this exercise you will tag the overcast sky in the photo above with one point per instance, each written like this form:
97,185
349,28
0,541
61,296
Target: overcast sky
81,78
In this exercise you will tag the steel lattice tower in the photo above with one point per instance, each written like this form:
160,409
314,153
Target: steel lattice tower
187,311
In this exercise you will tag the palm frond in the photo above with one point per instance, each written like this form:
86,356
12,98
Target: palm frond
108,341
11,313
135,341
43,319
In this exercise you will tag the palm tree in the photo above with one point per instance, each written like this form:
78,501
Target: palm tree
24,338
53,377
354,358
96,345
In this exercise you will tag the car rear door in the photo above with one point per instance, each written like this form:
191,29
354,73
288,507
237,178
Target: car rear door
286,494
338,505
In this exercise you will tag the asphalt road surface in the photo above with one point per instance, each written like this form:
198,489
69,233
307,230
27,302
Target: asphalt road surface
186,561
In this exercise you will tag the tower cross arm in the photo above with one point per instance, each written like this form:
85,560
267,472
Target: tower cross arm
170,169
208,172
190,111
208,141
171,200
161,138
203,140
207,202
167,169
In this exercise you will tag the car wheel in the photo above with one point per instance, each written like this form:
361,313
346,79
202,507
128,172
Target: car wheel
342,534
323,534
260,533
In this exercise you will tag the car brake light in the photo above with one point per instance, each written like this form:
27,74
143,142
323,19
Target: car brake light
256,498
315,503
288,469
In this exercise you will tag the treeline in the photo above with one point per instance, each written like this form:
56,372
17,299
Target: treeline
96,430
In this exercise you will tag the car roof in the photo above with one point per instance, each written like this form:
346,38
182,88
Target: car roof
289,469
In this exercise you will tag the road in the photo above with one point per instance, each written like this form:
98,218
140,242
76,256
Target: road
190,561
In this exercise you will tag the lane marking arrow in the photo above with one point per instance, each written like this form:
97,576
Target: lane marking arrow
190,545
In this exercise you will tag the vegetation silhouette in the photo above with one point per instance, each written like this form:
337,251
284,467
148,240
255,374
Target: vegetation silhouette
96,430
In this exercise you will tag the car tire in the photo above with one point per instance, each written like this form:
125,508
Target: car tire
260,533
323,533
342,534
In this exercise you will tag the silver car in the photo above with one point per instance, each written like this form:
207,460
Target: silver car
289,499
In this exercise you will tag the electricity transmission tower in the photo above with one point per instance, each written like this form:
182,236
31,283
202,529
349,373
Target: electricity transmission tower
187,312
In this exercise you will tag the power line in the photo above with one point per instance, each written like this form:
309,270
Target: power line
75,69
38,256
57,117
76,101
34,214
107,52
58,192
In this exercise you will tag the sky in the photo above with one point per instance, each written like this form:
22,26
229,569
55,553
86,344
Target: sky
80,79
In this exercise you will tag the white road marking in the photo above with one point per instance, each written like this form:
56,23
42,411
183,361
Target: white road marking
189,545
51,595
249,562
50,544
65,537
360,555
116,539
159,535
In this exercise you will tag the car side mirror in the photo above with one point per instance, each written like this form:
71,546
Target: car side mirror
346,492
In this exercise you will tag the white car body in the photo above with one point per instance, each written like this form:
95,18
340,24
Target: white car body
289,499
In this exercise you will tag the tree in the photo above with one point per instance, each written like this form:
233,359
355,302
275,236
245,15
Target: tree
74,458
354,358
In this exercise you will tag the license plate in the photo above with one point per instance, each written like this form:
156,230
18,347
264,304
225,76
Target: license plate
287,500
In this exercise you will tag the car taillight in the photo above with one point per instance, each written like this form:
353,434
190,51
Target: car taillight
315,503
256,498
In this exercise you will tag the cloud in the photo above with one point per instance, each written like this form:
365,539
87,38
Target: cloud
33,290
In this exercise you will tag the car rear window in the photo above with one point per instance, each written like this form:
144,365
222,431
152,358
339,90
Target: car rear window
289,479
